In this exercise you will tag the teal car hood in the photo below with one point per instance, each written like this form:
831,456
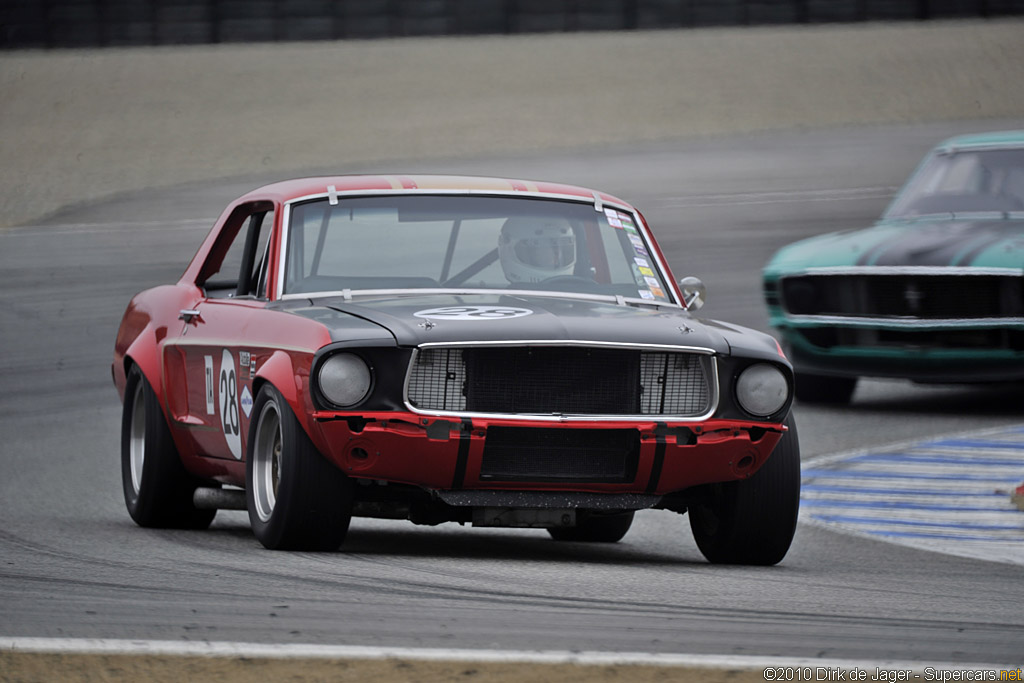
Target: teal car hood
954,241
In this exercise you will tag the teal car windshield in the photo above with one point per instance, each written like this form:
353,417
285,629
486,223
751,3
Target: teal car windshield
962,181
468,242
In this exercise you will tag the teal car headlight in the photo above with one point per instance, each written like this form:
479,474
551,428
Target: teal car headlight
344,379
762,389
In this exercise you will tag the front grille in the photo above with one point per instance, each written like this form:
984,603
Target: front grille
562,380
926,297
577,455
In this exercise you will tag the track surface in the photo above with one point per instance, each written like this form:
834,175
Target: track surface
73,565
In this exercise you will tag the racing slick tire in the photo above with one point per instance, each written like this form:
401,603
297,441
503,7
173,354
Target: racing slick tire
297,499
158,491
596,528
751,521
824,388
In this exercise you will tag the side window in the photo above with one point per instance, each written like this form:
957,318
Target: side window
243,270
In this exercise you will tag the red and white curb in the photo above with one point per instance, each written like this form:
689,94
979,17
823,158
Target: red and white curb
954,494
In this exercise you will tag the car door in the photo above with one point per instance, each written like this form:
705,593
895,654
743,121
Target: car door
214,350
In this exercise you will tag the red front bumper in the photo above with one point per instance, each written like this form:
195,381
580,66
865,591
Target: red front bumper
438,453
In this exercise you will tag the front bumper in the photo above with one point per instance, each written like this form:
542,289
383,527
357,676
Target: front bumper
927,360
455,454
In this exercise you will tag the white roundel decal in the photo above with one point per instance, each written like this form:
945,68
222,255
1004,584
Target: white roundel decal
473,313
227,395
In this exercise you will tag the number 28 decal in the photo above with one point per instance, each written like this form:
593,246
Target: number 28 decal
227,387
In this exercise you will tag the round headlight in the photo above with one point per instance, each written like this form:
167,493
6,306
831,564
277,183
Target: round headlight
344,379
762,389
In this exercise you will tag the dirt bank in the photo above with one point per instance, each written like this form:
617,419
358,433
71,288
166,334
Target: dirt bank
79,125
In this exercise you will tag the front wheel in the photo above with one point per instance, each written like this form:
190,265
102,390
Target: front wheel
297,500
595,528
158,490
751,521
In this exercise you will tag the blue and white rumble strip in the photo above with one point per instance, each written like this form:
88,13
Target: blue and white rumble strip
950,495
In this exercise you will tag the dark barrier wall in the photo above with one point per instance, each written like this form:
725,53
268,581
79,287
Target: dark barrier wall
89,23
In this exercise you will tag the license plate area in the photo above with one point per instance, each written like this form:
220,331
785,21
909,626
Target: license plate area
560,455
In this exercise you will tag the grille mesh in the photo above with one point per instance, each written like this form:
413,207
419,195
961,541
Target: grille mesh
560,380
672,384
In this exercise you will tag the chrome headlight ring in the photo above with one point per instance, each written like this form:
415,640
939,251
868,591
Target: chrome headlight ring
762,389
344,379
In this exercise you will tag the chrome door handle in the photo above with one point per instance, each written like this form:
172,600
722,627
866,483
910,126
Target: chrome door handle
188,315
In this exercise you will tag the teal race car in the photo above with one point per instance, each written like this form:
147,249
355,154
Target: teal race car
932,292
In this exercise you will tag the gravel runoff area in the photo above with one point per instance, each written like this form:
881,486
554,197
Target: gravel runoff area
76,668
80,125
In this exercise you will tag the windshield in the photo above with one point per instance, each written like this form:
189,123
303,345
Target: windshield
468,242
964,181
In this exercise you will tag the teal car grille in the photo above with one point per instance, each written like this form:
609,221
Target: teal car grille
905,296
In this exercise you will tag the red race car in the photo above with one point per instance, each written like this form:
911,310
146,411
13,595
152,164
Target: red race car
449,349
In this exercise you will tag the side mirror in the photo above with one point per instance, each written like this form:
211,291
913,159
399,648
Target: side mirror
695,294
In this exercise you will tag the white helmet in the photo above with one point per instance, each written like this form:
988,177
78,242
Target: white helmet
535,249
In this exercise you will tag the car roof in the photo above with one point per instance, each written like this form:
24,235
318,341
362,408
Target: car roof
1003,138
288,190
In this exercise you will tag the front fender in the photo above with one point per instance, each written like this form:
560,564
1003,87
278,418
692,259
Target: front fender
144,352
279,370
289,374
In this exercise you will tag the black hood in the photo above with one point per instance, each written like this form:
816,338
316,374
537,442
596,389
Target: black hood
415,320
944,243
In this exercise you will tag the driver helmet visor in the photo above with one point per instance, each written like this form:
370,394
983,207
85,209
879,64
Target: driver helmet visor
546,252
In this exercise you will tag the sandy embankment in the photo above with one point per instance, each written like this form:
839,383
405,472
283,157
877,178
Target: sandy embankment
80,125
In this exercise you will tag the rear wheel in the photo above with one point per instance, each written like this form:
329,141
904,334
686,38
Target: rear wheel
158,490
751,521
824,389
297,500
595,528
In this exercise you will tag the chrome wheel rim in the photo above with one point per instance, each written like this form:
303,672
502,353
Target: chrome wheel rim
266,465
137,438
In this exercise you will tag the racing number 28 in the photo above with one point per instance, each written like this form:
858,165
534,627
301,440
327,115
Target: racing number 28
229,413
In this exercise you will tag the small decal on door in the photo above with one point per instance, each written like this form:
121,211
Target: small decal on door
211,403
246,401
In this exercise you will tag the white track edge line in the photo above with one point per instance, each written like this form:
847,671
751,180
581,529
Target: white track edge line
585,658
